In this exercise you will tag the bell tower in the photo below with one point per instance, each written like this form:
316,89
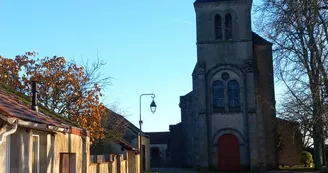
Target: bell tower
223,31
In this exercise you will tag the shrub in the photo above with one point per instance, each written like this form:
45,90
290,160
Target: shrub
306,159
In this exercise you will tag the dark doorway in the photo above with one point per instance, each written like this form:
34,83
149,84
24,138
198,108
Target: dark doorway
154,151
67,163
143,158
64,163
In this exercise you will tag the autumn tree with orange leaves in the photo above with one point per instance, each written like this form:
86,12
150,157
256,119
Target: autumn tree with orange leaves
64,87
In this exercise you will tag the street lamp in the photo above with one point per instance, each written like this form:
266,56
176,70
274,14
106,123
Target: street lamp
153,107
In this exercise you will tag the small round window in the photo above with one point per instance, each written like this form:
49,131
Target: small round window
225,76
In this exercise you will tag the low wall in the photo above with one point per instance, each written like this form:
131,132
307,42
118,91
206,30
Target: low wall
115,164
105,167
93,168
123,166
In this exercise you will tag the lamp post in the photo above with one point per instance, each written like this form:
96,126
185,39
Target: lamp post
152,109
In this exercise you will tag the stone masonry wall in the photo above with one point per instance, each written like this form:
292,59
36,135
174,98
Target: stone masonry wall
188,128
175,146
266,100
290,142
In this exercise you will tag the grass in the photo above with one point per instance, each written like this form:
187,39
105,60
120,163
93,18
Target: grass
299,168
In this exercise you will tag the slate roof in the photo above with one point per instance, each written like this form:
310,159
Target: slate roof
130,125
159,137
204,1
125,144
17,105
257,39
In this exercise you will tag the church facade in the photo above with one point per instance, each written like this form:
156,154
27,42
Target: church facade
228,119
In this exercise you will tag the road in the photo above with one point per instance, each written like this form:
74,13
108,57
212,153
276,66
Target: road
182,170
173,170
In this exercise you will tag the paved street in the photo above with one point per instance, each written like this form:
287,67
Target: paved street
173,170
182,170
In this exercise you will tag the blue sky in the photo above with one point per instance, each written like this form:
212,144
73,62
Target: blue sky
149,46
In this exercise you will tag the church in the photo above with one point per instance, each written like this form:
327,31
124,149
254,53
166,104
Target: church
228,119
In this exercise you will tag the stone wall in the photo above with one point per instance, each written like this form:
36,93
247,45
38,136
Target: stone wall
158,159
116,164
266,100
107,148
232,123
175,146
188,123
101,166
213,51
290,143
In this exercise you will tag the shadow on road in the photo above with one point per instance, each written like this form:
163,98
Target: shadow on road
173,170
185,170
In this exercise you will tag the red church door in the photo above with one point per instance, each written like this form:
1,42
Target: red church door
229,155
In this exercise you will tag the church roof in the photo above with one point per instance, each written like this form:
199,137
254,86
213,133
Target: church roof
201,1
159,137
257,39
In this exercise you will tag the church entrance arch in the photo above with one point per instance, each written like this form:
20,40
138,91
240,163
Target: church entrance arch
228,153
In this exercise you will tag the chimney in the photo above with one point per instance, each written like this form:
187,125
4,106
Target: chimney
34,95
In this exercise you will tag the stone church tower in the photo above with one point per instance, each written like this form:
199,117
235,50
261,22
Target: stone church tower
228,119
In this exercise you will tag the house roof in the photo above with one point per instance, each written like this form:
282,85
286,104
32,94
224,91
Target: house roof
17,105
125,144
10,106
159,137
130,125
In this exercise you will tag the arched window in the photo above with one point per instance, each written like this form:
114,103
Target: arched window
218,31
228,27
234,94
218,94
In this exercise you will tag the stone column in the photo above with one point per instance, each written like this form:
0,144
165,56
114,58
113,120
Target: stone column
252,117
261,138
202,136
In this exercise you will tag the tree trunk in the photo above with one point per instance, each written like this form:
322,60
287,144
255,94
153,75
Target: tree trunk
317,152
326,169
324,159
